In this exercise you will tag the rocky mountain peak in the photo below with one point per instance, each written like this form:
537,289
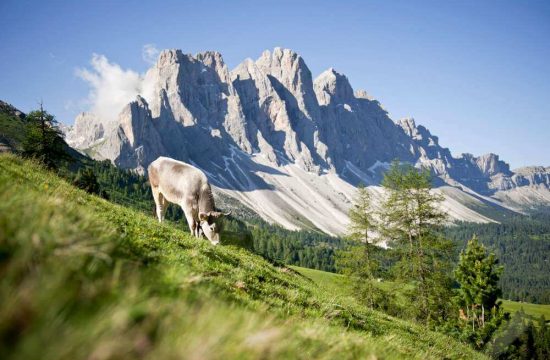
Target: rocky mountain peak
214,60
169,57
331,86
290,77
408,125
418,133
490,165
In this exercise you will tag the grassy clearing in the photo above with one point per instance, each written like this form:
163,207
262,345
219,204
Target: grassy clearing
83,278
338,285
335,284
535,310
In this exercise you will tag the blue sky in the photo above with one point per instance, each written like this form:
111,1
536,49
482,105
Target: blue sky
476,73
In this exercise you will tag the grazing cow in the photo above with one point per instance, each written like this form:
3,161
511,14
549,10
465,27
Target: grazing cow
183,184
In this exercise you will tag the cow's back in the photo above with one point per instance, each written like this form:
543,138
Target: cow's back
176,180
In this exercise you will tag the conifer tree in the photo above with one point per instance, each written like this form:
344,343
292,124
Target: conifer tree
87,180
356,260
542,341
478,274
412,219
44,139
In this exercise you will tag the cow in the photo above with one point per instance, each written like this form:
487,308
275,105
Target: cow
183,184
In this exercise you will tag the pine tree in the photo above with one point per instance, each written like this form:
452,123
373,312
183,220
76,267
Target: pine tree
44,139
478,274
527,349
412,219
542,341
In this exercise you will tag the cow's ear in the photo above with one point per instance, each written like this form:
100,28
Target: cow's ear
203,216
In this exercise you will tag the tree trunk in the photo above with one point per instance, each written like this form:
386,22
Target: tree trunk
43,128
482,315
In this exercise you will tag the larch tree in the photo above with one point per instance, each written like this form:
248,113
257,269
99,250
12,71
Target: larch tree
356,260
412,219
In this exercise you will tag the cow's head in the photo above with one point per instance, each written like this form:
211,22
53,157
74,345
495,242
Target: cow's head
211,225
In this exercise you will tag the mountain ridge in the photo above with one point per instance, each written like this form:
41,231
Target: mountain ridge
268,121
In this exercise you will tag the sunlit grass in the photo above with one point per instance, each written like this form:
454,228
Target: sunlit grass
81,277
535,310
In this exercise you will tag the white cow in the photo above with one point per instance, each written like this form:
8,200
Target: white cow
183,184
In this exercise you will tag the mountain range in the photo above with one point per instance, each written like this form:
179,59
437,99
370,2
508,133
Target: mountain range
290,147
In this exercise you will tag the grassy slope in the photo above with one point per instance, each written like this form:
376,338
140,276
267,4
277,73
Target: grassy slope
337,284
82,277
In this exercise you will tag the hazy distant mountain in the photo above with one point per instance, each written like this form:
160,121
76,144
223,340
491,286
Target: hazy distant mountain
291,147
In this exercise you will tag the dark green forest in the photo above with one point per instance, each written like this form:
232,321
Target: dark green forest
522,244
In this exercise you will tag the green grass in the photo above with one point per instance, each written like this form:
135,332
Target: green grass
332,283
337,284
81,277
535,310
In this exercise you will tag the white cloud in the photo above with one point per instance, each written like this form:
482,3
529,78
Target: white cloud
150,53
111,87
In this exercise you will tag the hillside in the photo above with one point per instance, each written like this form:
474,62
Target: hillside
84,278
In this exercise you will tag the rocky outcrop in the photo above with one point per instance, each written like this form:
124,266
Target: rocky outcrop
526,176
87,130
136,139
10,110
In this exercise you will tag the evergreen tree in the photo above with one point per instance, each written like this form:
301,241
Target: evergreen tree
43,139
412,219
362,218
356,260
526,349
478,274
87,180
542,340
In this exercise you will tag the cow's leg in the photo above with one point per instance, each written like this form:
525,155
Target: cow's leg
193,225
160,203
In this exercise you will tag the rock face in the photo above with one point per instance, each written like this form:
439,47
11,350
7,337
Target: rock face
267,127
